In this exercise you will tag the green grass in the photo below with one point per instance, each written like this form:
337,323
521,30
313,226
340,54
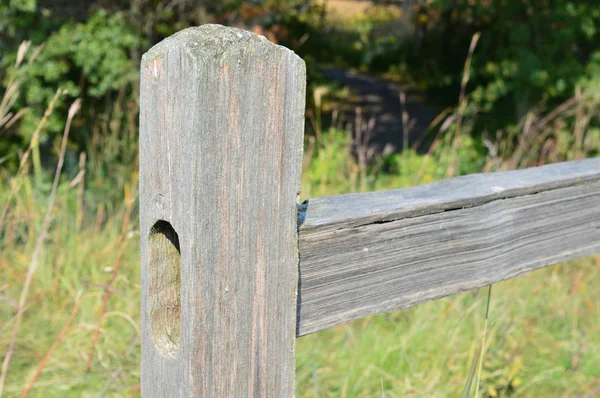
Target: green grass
74,260
543,338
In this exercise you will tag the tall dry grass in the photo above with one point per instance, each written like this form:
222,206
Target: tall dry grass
55,254
70,322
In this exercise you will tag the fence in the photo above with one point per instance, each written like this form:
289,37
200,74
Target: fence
233,269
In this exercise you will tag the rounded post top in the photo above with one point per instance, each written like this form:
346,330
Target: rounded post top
211,40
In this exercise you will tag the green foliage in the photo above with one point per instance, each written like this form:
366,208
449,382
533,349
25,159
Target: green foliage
331,167
13,14
526,55
87,60
406,166
542,60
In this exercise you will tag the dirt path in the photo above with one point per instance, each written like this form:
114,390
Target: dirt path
380,99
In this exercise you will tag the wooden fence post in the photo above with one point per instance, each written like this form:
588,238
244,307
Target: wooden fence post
221,135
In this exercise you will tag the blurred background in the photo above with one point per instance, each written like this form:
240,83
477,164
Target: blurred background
400,93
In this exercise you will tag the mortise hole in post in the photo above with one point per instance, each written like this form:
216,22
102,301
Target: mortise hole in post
165,282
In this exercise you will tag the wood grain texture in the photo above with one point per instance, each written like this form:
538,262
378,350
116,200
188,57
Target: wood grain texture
221,125
362,254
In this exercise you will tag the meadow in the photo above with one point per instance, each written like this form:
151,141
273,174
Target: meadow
69,253
79,332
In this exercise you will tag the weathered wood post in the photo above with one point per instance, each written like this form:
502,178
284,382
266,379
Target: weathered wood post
221,126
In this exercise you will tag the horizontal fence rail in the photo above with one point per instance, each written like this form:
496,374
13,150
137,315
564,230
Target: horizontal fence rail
362,254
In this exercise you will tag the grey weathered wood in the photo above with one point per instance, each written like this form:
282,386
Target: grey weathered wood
362,254
221,130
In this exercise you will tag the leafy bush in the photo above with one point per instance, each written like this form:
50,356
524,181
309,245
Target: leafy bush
527,56
86,60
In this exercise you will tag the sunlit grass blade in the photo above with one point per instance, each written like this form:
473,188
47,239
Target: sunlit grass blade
487,312
479,356
39,243
467,389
